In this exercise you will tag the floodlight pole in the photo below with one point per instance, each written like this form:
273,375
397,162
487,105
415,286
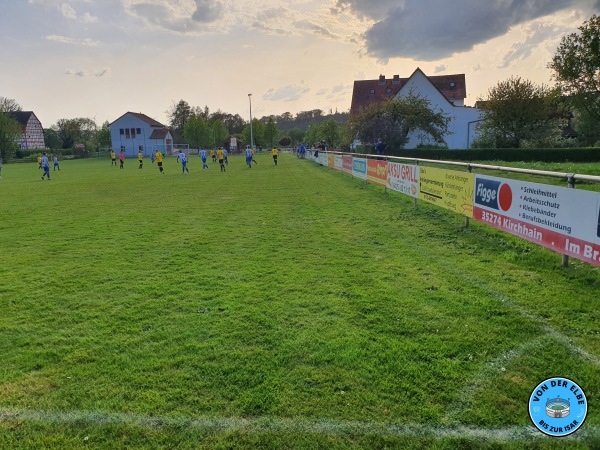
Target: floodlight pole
251,137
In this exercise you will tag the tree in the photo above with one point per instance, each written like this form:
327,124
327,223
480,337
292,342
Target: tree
257,133
10,130
296,135
393,120
218,133
197,132
270,132
9,105
103,136
518,110
330,133
576,67
76,132
52,139
178,116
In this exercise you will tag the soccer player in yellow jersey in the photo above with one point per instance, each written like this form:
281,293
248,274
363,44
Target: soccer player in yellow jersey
140,158
159,160
39,162
275,154
113,158
213,155
221,157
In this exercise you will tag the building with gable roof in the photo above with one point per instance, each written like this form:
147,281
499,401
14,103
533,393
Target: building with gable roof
446,94
133,132
32,132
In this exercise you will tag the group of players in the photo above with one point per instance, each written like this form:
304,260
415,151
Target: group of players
44,163
220,154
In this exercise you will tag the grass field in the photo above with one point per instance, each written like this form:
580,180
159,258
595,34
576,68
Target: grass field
274,308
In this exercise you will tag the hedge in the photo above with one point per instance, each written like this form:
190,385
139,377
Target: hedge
588,154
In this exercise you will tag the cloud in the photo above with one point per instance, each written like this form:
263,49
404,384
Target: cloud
438,28
286,93
67,40
441,68
68,11
88,18
84,73
181,16
307,25
207,11
537,33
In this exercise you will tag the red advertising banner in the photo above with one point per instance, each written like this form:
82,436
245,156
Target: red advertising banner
377,172
347,164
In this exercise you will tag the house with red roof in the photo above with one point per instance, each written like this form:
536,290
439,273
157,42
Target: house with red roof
446,94
133,132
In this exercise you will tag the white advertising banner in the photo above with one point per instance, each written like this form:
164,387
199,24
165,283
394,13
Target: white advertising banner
403,178
562,219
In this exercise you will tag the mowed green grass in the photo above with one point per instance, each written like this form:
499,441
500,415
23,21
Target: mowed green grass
274,307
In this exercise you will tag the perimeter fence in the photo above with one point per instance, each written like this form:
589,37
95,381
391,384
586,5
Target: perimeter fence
563,219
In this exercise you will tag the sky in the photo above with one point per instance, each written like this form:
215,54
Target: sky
99,59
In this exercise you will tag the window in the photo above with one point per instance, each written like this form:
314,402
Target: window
127,133
121,131
123,148
139,130
388,90
452,84
141,148
133,133
372,91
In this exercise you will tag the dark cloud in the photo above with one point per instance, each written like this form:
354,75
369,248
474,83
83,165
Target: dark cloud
434,29
207,11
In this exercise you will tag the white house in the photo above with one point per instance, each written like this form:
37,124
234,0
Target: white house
446,94
135,131
461,128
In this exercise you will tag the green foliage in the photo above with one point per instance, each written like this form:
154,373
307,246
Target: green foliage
258,129
103,136
197,132
296,135
285,141
218,132
393,120
576,66
518,110
270,132
10,131
178,115
77,133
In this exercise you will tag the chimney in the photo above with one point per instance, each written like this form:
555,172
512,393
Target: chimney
396,79
381,79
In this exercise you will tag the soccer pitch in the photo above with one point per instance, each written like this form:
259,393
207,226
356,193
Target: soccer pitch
274,307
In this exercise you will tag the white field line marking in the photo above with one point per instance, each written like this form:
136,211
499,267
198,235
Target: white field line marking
540,322
424,254
487,372
282,425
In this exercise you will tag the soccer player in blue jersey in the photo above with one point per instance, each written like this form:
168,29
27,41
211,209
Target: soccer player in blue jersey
249,156
203,154
225,153
45,166
183,157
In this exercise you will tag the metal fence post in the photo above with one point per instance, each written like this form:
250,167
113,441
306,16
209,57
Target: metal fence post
571,185
469,169
417,163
